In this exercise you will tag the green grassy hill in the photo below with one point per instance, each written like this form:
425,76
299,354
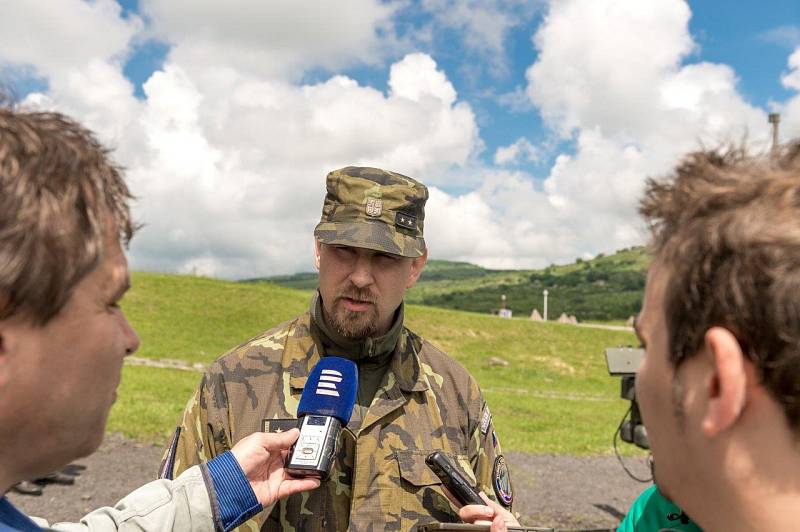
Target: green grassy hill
435,270
554,396
605,288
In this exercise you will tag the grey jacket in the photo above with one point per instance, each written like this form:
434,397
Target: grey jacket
182,504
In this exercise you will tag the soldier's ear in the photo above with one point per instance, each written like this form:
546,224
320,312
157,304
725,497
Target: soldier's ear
317,247
417,264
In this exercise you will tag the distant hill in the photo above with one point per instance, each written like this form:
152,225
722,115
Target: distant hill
603,288
298,281
435,270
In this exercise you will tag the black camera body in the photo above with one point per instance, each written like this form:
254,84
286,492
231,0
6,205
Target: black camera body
624,361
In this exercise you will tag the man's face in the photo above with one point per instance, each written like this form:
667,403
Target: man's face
65,374
361,289
664,394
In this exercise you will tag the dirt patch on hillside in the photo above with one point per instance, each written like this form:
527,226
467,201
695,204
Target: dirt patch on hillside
555,491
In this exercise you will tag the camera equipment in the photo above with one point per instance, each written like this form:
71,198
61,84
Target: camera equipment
624,361
453,479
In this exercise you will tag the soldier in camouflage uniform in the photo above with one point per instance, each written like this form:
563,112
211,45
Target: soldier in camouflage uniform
412,398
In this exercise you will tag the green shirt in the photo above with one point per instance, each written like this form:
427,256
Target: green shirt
651,512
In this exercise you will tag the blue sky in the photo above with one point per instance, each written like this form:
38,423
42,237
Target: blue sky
535,123
753,37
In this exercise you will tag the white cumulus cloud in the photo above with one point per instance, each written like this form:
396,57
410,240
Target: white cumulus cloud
228,149
613,75
520,150
616,77
236,164
79,48
790,110
278,38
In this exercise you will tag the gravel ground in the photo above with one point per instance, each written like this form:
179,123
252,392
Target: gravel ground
553,491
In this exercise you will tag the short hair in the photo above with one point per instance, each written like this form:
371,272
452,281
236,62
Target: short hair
58,191
727,226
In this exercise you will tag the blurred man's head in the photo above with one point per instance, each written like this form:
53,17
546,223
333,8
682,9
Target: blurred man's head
369,247
63,217
720,384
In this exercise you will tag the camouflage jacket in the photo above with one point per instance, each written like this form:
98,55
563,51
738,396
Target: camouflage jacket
379,480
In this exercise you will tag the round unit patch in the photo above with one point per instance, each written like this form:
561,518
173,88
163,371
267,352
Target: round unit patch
502,482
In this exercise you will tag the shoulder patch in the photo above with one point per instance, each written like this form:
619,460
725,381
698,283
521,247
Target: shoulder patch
486,420
502,482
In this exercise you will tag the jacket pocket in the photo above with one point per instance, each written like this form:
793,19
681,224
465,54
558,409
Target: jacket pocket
423,498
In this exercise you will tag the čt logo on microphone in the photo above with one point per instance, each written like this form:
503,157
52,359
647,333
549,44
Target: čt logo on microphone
327,382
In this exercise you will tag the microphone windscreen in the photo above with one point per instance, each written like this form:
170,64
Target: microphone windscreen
330,389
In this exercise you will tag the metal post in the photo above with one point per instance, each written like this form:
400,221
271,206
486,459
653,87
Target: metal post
774,119
545,304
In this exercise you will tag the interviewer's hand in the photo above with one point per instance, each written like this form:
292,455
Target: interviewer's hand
492,513
261,456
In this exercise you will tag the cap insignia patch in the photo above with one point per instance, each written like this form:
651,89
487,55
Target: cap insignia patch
374,207
407,221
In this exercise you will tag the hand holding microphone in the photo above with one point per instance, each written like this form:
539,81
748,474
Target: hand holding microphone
279,465
261,457
325,407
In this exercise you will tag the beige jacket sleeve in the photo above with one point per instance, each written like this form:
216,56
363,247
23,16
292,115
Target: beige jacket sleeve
182,504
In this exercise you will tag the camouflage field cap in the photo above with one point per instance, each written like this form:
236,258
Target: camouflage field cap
374,209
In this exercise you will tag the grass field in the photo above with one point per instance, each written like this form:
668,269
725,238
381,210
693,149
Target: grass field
553,397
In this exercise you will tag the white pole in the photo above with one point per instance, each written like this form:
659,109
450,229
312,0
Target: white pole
545,304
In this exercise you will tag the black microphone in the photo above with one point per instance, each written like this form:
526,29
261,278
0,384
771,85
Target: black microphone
325,407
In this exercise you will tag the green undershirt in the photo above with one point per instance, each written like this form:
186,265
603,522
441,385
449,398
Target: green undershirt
372,355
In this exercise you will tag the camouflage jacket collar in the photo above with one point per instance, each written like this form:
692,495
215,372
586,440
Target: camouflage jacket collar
405,364
377,350
404,367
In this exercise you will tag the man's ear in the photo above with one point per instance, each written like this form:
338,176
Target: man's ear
727,388
5,352
417,264
317,249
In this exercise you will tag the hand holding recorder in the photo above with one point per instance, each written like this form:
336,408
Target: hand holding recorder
452,479
477,507
261,457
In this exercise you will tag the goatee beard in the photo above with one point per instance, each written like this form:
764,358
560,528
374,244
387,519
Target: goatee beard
350,324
